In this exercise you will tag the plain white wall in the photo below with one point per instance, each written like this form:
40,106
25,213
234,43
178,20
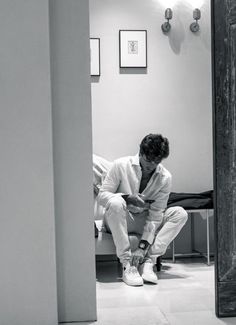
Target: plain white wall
27,241
72,145
172,97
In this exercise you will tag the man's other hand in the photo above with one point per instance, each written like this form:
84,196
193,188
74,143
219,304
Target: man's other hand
134,209
136,200
138,256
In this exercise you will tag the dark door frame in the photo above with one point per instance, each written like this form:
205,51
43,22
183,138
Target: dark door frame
224,151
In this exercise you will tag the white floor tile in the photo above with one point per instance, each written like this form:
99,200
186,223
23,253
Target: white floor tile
199,318
184,295
131,316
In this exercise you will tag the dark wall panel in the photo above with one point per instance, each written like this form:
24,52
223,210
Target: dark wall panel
224,47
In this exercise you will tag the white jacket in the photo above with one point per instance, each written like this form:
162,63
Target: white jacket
124,177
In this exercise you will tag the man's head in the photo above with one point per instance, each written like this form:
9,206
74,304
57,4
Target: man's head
153,148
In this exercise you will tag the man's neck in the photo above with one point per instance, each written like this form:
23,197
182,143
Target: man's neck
146,175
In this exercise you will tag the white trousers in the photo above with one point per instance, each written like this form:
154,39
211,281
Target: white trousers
120,222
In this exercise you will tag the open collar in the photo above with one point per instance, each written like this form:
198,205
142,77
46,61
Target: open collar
135,162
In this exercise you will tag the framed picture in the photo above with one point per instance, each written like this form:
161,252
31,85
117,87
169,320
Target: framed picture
95,56
133,48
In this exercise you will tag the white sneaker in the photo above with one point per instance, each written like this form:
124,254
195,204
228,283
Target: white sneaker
131,276
148,274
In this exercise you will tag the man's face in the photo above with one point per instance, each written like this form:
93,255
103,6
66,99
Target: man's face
148,165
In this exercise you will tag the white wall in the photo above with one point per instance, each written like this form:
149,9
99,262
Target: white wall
27,245
172,97
72,143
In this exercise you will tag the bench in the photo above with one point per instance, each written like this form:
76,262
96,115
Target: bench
104,244
194,252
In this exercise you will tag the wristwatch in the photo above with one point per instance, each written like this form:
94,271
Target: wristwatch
143,244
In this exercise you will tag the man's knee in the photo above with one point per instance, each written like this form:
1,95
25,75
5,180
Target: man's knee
181,214
116,205
178,214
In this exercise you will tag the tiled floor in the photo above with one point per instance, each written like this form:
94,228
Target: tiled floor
184,295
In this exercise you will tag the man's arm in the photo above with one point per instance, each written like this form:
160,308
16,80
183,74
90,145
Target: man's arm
155,216
110,185
153,222
109,188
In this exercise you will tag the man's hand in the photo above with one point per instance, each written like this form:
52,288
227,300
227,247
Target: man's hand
136,200
138,256
134,209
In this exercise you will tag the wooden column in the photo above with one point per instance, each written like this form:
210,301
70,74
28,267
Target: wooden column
224,104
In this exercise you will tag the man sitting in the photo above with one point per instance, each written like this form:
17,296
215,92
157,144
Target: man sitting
134,195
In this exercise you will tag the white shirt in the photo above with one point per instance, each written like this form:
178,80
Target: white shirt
124,177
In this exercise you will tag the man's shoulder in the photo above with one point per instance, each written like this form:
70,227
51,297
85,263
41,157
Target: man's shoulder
165,172
123,160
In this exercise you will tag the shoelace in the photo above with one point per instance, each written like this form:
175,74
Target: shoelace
133,270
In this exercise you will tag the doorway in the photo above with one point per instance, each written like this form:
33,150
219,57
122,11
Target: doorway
172,96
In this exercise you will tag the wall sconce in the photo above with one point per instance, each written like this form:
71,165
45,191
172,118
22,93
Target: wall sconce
194,27
167,26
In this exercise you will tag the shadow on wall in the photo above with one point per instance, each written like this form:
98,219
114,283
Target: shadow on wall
176,36
179,31
95,79
133,70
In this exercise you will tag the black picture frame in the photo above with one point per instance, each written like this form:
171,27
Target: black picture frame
133,48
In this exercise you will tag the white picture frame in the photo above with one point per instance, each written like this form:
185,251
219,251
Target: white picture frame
133,48
95,57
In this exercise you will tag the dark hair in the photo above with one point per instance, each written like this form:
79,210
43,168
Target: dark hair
154,146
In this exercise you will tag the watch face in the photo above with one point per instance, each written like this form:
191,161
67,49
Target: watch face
142,245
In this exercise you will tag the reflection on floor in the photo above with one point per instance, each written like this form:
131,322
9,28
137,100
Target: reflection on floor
184,295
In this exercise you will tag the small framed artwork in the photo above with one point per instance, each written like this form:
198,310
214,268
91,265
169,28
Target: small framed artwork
133,48
95,56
